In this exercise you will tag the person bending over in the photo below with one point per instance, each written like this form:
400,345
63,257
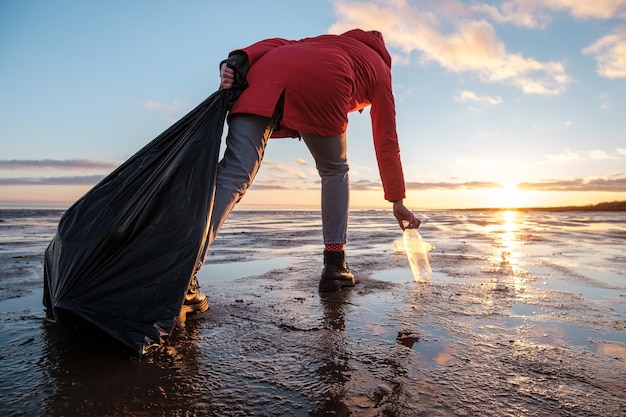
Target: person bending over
306,88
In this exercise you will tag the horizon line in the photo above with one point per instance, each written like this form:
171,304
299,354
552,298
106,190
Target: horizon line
277,207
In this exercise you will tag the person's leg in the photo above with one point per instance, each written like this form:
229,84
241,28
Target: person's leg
332,165
245,146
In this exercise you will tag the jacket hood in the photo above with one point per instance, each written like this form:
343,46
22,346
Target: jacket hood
374,40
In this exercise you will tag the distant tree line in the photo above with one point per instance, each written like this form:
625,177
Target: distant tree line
607,206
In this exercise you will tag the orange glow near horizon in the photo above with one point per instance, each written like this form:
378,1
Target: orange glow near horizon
506,197
509,196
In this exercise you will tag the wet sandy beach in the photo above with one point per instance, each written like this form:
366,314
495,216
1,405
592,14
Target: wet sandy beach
525,316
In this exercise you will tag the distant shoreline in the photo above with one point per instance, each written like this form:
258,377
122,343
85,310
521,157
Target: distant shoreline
607,206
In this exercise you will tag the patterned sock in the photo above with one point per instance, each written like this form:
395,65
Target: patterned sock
333,247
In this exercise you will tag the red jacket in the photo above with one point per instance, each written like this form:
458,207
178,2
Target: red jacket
324,78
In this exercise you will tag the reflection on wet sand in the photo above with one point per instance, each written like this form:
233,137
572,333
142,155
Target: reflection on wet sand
109,381
334,369
614,350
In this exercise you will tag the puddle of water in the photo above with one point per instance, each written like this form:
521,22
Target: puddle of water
572,334
398,275
32,301
606,276
430,343
521,309
405,276
587,291
432,346
621,309
208,273
537,250
613,350
372,308
235,270
551,332
608,342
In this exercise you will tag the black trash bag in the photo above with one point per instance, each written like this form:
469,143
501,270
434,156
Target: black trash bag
124,254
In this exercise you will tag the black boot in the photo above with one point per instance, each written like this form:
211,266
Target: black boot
336,275
195,300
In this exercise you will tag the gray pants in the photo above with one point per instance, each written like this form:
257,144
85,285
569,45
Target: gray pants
245,145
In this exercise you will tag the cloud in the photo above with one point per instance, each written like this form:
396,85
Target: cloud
610,50
472,46
595,184
365,185
269,186
580,185
76,180
610,53
283,169
597,9
536,13
466,95
525,14
79,165
599,154
65,164
564,157
469,185
175,106
594,154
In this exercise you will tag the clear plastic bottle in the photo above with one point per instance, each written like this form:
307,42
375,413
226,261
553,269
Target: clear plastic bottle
417,253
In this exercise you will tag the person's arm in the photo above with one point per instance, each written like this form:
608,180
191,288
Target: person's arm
246,57
258,49
383,116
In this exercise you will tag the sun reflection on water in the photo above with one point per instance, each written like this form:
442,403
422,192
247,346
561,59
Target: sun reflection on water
506,256
510,227
510,253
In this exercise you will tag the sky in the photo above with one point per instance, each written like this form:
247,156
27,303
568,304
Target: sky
516,103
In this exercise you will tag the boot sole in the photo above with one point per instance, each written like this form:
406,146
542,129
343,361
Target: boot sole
335,285
193,308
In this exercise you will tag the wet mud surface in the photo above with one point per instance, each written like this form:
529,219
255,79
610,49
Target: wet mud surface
525,316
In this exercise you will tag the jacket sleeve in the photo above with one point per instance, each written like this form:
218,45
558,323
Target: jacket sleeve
383,115
257,50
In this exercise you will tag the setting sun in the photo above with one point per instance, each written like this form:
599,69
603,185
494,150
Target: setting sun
508,195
